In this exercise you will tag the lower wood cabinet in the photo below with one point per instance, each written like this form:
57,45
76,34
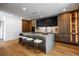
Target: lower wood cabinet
63,38
66,38
58,37
68,28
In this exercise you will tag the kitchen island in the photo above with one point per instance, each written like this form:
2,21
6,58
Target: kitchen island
48,39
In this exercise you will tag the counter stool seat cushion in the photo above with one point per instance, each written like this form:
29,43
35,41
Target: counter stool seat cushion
22,40
20,36
38,41
29,39
24,37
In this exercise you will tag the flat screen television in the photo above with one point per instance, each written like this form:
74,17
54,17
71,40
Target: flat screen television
47,22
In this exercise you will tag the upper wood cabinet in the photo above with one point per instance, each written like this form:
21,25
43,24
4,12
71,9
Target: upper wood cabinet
64,27
26,26
63,23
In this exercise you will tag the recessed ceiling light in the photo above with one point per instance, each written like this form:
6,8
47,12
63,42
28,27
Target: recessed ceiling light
24,8
64,10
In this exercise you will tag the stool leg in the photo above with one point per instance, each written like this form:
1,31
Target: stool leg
34,47
20,41
28,44
23,43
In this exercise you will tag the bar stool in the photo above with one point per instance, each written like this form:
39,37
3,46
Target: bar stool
36,43
29,41
20,39
23,39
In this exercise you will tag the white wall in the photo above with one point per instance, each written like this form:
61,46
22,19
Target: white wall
1,29
12,26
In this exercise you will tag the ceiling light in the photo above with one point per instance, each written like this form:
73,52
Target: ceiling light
64,10
24,8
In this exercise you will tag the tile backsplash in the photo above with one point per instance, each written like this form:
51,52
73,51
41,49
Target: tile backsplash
47,29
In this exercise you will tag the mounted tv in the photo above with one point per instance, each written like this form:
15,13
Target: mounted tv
47,22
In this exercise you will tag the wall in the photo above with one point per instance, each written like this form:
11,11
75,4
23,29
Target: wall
1,29
12,26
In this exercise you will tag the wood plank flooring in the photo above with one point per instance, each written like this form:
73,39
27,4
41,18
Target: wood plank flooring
12,48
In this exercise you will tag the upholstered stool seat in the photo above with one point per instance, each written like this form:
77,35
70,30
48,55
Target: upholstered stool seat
23,40
38,41
20,36
24,37
29,39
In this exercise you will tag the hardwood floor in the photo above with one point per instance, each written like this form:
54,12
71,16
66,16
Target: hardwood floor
12,48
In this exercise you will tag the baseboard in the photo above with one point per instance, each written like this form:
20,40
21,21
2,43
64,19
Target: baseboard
11,39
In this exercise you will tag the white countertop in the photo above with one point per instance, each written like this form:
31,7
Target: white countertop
34,34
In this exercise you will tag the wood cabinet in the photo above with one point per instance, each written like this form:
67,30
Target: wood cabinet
63,27
68,27
78,27
73,26
26,26
63,23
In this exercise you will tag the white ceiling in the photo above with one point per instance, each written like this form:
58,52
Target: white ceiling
41,9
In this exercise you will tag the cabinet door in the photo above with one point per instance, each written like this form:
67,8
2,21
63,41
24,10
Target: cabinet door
60,24
26,26
58,37
64,27
66,24
78,27
60,27
66,38
30,26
